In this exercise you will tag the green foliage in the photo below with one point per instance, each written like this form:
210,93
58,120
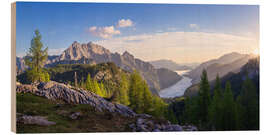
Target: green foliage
159,107
136,92
89,84
224,112
123,91
35,60
191,110
147,98
229,121
215,109
204,97
141,99
248,106
32,76
93,86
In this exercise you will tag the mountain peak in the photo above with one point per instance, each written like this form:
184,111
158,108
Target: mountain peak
127,54
90,50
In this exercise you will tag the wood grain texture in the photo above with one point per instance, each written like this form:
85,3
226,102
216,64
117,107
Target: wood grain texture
13,67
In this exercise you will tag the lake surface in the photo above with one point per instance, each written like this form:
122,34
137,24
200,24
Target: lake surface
179,88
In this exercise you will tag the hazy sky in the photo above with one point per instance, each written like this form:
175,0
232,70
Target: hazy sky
183,33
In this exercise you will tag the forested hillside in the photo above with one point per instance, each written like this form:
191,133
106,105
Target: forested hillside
233,103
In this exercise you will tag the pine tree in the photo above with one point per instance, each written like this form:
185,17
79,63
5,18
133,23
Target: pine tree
229,109
191,110
215,109
204,97
35,59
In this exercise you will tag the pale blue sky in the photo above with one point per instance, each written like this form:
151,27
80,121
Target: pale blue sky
179,30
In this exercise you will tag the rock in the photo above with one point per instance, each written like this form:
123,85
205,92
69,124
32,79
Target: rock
175,128
142,128
75,115
133,127
140,121
144,115
38,120
25,88
59,91
124,110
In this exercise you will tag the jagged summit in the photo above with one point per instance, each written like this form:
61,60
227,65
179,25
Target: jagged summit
128,55
77,51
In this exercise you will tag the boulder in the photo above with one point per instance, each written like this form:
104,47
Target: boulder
37,120
75,115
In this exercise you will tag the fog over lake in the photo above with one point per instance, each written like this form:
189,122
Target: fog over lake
179,88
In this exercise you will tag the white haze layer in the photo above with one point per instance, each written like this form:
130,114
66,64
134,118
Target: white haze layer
177,89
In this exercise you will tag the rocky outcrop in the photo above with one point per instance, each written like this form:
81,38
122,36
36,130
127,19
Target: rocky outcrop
58,91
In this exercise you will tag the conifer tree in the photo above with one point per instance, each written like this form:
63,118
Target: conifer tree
204,97
229,109
123,91
103,90
215,109
96,88
147,98
249,104
89,83
35,60
135,91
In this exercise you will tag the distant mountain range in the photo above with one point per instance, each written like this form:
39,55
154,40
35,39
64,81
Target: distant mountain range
91,53
231,62
169,64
